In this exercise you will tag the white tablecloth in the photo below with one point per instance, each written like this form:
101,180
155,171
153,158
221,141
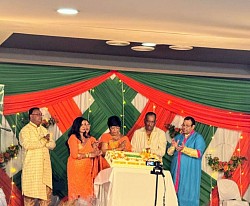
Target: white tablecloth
132,187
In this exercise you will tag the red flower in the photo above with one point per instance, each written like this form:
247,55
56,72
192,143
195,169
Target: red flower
6,155
1,158
227,167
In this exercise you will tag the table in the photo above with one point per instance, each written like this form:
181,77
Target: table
132,187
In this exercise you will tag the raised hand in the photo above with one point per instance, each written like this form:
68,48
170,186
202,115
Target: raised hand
47,137
174,143
122,146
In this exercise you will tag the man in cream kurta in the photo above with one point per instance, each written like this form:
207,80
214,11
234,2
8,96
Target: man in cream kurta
36,172
149,137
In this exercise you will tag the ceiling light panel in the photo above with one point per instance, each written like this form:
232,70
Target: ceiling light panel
67,11
181,47
143,48
148,44
117,43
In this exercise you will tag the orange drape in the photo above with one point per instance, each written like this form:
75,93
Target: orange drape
23,102
243,149
202,113
64,112
242,179
13,194
164,117
166,106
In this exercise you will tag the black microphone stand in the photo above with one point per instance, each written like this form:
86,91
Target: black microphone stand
157,170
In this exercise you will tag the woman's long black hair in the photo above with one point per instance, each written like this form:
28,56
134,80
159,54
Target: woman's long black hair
76,127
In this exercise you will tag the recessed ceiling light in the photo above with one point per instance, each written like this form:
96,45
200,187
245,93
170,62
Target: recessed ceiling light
148,44
143,48
117,43
67,11
180,47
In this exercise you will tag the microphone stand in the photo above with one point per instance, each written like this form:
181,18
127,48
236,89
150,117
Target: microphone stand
156,189
157,170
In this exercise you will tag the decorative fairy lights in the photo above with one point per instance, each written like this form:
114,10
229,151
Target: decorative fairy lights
239,150
12,168
123,106
90,99
154,107
211,179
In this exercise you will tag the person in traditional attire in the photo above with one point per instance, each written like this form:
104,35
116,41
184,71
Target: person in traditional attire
36,172
82,166
149,137
187,149
114,140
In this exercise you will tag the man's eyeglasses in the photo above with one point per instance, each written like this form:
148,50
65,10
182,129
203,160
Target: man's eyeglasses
186,125
38,114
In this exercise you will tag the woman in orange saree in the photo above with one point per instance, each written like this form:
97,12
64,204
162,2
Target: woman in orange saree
82,167
114,140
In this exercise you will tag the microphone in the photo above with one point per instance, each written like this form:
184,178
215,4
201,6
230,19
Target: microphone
6,129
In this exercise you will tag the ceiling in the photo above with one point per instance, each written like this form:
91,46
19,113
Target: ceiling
219,31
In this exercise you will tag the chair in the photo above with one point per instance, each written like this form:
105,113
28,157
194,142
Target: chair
229,193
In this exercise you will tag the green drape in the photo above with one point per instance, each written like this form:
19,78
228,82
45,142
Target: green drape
225,93
107,102
108,98
21,78
231,94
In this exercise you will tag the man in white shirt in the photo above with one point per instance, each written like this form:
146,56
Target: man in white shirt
149,137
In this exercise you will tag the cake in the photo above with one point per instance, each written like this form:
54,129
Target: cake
129,159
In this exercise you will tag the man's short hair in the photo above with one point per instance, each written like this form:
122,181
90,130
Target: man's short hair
190,118
150,114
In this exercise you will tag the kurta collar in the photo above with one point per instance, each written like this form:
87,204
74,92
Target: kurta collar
34,125
190,134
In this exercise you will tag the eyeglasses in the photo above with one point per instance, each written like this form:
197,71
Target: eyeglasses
38,114
186,125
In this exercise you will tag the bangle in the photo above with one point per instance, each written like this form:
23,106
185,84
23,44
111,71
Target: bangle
87,155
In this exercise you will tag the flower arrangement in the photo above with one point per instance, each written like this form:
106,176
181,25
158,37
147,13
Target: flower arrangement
48,122
10,153
173,131
226,167
45,122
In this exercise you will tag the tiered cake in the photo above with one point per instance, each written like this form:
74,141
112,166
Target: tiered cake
129,159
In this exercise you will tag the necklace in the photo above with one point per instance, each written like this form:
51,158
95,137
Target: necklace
148,139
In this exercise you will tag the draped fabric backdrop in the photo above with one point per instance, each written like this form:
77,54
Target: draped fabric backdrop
1,102
222,114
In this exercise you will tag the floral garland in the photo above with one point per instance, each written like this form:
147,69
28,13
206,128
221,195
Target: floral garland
6,156
49,122
173,131
226,167
45,122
